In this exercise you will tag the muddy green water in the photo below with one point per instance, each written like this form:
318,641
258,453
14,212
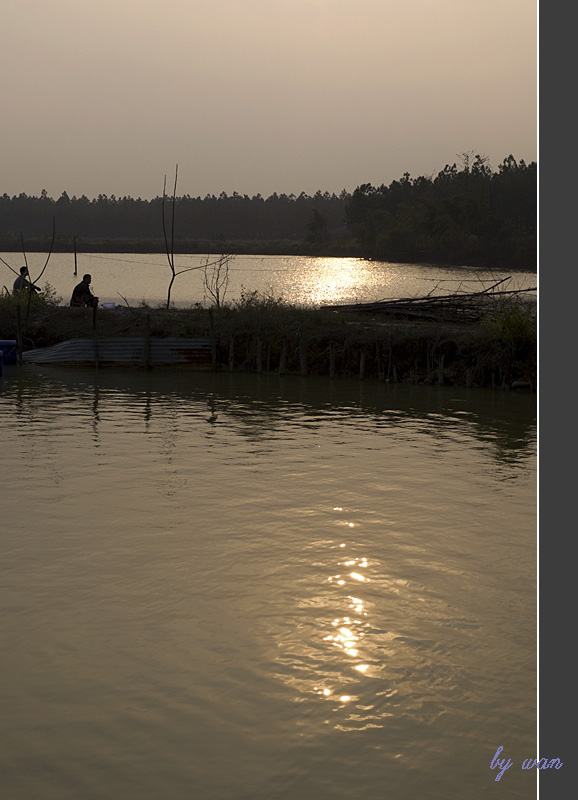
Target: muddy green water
238,587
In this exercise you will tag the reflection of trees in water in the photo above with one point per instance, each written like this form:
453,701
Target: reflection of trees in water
510,440
502,422
262,406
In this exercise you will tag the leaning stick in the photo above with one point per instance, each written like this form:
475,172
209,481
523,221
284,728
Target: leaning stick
49,252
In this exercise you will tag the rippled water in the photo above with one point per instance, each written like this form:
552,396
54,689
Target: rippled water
229,587
298,279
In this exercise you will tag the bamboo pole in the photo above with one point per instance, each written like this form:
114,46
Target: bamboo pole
75,259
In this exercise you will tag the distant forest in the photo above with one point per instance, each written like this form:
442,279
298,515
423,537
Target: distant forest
467,214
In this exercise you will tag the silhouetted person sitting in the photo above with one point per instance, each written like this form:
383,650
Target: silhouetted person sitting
81,294
22,282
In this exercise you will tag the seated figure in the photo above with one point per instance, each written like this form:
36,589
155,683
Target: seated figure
81,294
22,282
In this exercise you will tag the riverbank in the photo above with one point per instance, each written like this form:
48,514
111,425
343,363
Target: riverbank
264,334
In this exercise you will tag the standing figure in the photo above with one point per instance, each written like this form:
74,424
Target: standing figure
81,294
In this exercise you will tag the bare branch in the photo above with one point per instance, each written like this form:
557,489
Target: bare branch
173,215
49,252
171,252
216,272
216,278
8,265
23,249
202,266
164,225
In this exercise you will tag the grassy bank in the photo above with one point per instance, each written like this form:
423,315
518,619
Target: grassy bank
266,334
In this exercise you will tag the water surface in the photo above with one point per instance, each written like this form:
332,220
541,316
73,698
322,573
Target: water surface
230,587
138,277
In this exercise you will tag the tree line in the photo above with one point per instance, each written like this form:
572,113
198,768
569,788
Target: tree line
471,215
468,214
228,217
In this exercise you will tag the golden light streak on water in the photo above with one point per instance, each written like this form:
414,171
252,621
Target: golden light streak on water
143,277
330,278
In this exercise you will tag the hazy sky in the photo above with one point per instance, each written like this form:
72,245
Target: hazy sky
106,96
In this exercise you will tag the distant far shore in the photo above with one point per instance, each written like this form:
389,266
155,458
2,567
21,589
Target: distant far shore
335,248
338,248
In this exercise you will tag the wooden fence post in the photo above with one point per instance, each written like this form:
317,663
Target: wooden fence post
302,356
213,340
95,335
283,358
362,364
19,341
441,372
380,372
147,342
231,351
259,356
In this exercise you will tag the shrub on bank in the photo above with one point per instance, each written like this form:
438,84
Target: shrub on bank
508,340
266,334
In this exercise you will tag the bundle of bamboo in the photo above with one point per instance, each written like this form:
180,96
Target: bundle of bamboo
457,307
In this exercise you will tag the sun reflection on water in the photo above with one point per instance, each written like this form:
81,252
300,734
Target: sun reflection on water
331,280
351,660
357,649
